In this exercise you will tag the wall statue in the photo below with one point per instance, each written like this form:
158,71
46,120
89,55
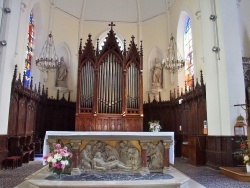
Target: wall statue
157,75
62,74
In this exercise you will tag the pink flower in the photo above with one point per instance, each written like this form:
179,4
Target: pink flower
62,166
58,146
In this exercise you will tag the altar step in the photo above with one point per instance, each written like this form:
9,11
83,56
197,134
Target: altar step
237,173
179,180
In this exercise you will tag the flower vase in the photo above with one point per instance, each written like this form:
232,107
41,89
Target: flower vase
248,168
59,175
156,129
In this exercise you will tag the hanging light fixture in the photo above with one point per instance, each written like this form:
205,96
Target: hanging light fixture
174,62
48,59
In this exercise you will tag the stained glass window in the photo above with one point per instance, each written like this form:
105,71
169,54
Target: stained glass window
29,50
188,51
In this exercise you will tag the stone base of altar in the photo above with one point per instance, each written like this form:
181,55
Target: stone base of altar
40,180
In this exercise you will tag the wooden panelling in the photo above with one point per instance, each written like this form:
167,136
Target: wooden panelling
32,113
13,111
55,115
197,150
108,123
185,119
220,149
3,148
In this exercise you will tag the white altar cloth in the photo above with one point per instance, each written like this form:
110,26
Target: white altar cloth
96,135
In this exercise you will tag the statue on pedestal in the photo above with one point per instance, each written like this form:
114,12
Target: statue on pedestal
62,74
157,75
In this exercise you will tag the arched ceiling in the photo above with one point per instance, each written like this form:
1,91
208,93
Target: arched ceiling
131,11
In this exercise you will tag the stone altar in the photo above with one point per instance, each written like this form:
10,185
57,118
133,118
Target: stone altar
142,152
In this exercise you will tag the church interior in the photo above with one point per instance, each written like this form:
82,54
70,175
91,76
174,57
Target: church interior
118,66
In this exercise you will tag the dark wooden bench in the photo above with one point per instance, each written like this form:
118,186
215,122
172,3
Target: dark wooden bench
23,147
11,162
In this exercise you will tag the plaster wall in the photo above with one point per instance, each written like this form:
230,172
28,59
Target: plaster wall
8,32
65,32
243,16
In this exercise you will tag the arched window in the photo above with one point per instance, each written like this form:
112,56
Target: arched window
29,51
188,52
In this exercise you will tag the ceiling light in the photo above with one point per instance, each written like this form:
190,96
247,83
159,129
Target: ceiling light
174,62
48,59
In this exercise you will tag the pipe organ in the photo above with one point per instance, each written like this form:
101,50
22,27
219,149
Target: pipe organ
109,88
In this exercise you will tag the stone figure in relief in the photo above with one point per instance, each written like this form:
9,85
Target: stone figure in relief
98,163
122,148
62,74
86,157
155,155
111,153
98,147
157,74
129,154
133,159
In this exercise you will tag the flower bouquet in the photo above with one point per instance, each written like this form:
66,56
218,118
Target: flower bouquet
244,151
59,159
154,126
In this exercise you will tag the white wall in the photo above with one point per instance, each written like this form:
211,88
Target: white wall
244,15
8,32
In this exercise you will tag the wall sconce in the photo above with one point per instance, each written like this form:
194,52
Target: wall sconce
3,42
7,10
212,17
215,49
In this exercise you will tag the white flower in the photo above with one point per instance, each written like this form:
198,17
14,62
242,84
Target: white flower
53,160
246,158
58,156
49,159
65,162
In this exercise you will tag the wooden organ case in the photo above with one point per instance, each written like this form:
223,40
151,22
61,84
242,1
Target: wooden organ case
110,86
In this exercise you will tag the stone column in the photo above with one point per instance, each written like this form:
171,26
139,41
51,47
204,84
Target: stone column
222,74
75,159
166,165
144,147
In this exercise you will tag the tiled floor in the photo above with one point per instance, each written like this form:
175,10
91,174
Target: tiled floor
208,177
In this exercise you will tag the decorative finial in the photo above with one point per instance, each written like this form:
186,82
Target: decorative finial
111,24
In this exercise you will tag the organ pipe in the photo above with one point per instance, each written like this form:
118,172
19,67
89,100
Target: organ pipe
132,87
87,81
